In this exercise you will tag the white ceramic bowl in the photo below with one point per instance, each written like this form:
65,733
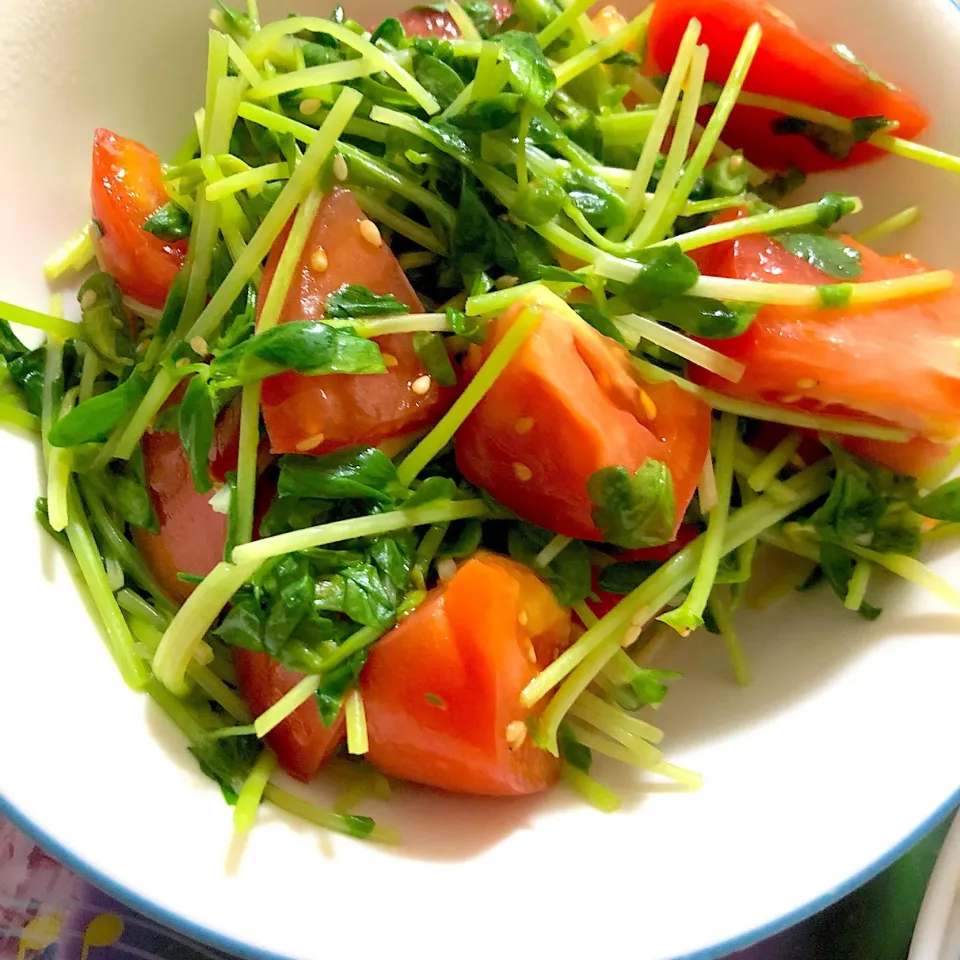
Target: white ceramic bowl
841,753
937,934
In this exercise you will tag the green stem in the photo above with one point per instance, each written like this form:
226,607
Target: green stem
251,794
857,588
56,326
253,554
603,49
770,466
87,554
357,742
338,823
720,608
889,225
689,615
486,376
596,794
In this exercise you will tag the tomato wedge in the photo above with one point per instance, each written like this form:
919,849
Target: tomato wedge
442,690
894,362
301,742
788,65
319,414
127,188
567,405
429,22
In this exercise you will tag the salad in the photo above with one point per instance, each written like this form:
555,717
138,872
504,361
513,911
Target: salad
453,363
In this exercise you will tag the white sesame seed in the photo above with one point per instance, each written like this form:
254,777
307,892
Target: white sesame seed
310,106
421,385
340,170
446,569
649,407
370,233
199,346
524,425
640,617
389,360
310,442
516,734
531,653
522,618
807,383
319,261
522,472
182,362
143,346
791,398
735,162
505,282
88,299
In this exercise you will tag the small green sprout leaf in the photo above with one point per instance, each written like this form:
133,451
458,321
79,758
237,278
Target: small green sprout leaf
634,511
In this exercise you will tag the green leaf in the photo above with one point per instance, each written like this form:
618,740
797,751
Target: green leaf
431,490
462,540
823,251
432,351
128,494
530,73
854,508
353,473
437,78
475,238
623,577
10,346
837,144
483,15
473,329
228,761
243,625
942,503
288,609
569,573
329,699
634,511
391,30
172,306
492,113
353,300
837,566
727,177
705,317
600,204
104,319
305,346
393,557
169,222
598,319
93,419
293,513
195,425
665,273
236,22
366,599
572,751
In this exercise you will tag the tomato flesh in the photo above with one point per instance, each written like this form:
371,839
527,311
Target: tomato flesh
319,414
788,65
442,690
569,404
894,362
127,188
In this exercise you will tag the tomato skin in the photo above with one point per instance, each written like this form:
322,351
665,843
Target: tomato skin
567,405
788,65
891,362
127,188
427,22
342,409
466,650
302,743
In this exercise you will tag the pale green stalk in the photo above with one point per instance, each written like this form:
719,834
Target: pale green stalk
242,62
296,188
942,471
464,24
711,134
194,619
801,216
217,62
626,129
254,177
552,550
492,367
326,819
230,214
897,221
664,115
372,526
768,411
648,227
746,460
613,721
73,254
770,466
636,752
251,794
357,742
59,470
657,590
559,25
720,608
88,374
327,73
56,326
499,300
913,570
403,323
260,45
596,794
87,555
13,416
164,383
488,81
603,49
399,222
135,604
287,704
689,615
857,588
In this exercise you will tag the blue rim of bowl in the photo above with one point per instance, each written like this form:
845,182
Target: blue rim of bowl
227,945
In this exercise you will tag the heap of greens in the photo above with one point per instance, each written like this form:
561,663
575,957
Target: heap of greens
484,160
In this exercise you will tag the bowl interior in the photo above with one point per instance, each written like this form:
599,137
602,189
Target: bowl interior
840,751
